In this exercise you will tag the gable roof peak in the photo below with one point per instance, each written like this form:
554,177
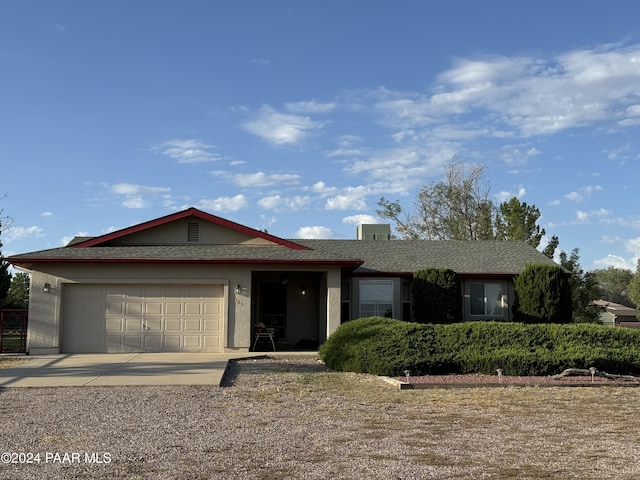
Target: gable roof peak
189,212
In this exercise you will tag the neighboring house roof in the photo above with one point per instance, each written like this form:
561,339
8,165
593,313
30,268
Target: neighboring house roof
365,256
617,309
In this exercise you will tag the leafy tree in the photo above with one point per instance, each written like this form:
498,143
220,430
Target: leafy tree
613,284
518,221
542,295
5,275
634,287
18,295
550,249
459,208
584,289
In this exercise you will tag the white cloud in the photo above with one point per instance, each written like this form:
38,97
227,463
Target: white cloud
18,233
401,169
614,261
504,195
513,155
633,246
350,198
136,196
311,106
524,96
322,189
281,128
224,204
276,202
135,202
582,193
348,146
360,219
316,232
186,151
133,189
261,179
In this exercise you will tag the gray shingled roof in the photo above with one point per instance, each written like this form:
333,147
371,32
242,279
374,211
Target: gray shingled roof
397,256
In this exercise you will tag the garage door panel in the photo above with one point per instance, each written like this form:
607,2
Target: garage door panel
153,324
192,325
114,324
172,342
132,324
173,308
153,343
192,341
153,308
212,308
113,308
133,343
131,318
211,341
212,325
192,308
133,308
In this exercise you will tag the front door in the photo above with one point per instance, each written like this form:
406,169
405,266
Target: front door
273,307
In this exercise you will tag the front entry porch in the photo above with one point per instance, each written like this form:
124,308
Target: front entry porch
288,305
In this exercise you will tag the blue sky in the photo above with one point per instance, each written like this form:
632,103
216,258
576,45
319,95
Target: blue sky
297,116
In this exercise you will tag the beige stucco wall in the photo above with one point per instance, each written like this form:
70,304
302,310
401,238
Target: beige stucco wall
175,233
45,309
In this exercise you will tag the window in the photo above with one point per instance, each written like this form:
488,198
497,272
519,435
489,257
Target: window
345,301
376,298
486,299
406,301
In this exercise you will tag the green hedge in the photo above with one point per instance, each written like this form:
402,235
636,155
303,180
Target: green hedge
542,295
437,296
383,346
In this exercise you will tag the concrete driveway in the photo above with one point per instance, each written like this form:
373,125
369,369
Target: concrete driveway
67,370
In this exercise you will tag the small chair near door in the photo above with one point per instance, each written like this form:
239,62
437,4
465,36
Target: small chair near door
269,334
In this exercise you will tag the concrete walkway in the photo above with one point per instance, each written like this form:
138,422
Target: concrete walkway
66,370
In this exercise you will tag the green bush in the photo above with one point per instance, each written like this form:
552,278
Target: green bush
542,295
383,346
437,296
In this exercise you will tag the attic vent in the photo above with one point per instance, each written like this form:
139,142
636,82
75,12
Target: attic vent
193,232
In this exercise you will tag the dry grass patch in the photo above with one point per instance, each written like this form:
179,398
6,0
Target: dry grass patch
511,432
6,362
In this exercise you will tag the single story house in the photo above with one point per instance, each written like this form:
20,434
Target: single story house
194,282
617,315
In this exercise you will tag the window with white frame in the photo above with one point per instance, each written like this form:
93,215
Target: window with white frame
487,299
376,298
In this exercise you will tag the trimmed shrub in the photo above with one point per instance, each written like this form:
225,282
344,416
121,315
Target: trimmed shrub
378,345
542,295
437,296
383,346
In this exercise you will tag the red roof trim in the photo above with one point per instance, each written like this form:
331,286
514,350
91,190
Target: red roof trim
190,212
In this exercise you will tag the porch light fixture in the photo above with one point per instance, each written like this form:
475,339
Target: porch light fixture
303,291
46,287
238,289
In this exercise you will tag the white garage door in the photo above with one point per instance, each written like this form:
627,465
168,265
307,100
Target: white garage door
142,318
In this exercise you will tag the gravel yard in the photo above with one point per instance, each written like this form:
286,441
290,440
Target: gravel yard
293,419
